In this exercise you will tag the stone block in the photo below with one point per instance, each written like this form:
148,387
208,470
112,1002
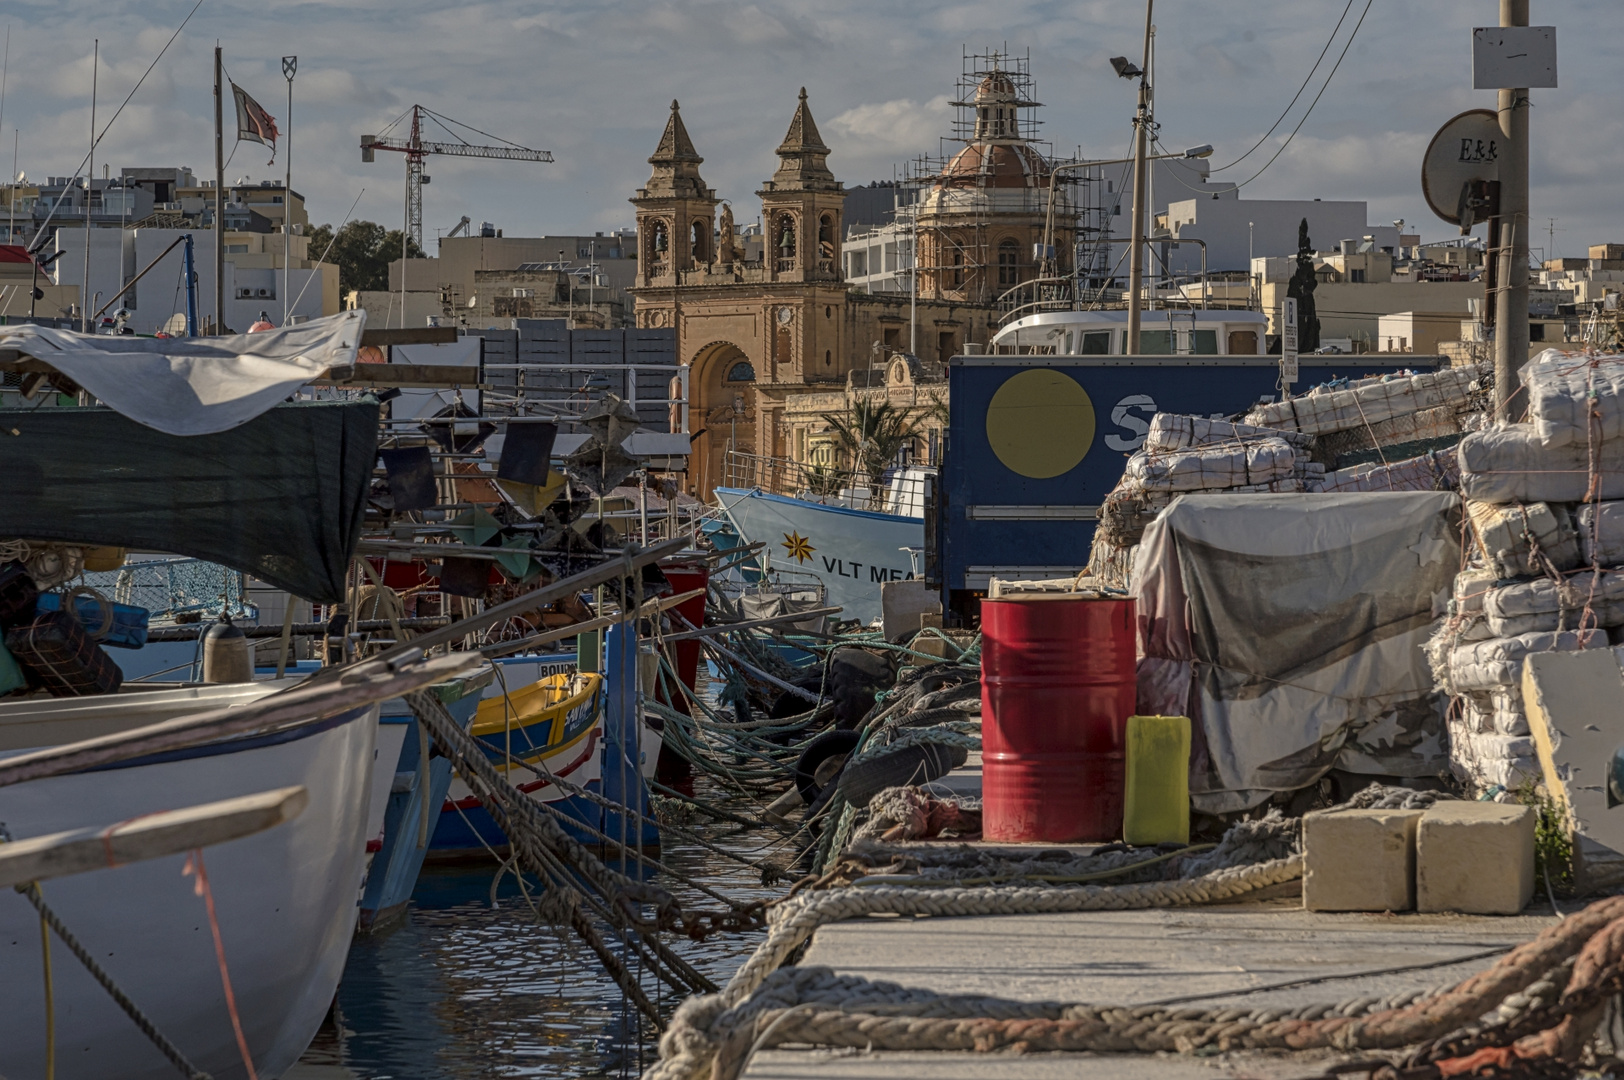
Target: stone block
902,603
1359,860
1476,858
1575,708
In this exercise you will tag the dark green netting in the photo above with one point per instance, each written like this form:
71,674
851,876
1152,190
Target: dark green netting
280,497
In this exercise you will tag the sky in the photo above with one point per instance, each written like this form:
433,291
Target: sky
592,81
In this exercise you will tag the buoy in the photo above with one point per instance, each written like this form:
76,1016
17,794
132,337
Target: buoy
226,658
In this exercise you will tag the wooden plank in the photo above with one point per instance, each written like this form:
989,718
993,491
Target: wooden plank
150,837
409,335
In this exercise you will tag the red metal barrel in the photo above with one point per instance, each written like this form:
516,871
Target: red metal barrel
1057,688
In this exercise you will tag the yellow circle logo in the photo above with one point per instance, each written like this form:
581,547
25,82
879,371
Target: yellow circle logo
1040,423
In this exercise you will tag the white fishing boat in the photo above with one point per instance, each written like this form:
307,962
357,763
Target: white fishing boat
851,551
284,900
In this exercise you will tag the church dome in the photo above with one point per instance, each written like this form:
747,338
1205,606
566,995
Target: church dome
997,165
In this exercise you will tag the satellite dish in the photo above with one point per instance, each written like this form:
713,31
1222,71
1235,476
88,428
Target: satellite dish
1465,151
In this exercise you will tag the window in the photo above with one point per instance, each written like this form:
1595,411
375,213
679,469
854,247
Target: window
958,268
1095,343
1156,342
742,371
1204,342
828,312
1243,343
828,358
1356,276
946,345
1008,254
700,241
893,335
785,239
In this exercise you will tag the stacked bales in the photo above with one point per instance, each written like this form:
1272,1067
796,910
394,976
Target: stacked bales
1546,570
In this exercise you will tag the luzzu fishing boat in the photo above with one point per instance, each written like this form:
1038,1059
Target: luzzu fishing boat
551,730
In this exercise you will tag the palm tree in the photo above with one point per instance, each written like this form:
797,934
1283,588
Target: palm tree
872,436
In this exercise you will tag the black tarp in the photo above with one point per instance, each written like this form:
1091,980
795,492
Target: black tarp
280,497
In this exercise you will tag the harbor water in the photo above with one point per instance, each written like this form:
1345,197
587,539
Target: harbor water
470,985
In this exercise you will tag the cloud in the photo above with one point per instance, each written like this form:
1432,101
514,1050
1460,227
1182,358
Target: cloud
592,80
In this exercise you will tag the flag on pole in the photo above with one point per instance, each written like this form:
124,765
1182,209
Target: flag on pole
253,122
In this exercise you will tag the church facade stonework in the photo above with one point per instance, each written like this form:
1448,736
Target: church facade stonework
773,342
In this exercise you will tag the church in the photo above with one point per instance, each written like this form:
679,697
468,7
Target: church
775,339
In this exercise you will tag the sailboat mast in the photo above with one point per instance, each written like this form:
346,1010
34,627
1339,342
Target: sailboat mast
219,202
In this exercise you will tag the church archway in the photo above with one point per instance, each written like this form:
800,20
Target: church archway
722,386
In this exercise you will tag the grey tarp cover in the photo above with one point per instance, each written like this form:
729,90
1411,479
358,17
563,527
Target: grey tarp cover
194,386
1289,628
280,497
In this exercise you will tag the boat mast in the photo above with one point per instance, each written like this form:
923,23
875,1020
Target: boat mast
1136,254
219,204
90,187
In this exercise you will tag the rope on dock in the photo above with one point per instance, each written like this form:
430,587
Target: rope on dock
1548,994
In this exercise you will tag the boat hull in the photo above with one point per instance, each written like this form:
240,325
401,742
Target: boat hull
853,552
285,901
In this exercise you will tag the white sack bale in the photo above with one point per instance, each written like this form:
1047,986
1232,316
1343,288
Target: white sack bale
1173,431
1601,529
1212,468
1436,471
1497,663
1572,399
1508,536
1509,464
1540,605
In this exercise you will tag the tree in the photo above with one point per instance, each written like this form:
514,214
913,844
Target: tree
872,436
362,252
1301,289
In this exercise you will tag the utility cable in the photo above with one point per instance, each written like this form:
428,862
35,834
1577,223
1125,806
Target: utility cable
1306,79
1311,104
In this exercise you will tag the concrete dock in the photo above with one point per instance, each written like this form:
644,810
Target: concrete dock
1233,953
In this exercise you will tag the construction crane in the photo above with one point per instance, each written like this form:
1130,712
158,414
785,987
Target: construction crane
416,148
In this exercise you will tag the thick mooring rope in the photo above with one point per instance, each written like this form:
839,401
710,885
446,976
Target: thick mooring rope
691,1044
1549,993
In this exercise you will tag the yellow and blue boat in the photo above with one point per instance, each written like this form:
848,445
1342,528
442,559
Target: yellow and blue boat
552,729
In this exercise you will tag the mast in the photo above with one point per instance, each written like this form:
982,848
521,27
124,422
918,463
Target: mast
1141,136
90,187
219,203
290,64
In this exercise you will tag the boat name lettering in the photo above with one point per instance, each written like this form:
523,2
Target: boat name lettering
854,570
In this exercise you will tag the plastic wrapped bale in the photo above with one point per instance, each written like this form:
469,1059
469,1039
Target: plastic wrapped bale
1488,760
1497,663
1470,587
1289,486
1575,399
1524,538
1124,516
1436,471
1601,531
1509,464
1427,425
1524,607
1172,431
1370,401
1209,468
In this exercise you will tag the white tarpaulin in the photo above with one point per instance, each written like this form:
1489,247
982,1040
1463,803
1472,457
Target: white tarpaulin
194,386
1289,629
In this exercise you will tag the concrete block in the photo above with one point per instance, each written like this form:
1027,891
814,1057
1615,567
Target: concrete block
1359,860
1476,858
1575,708
902,603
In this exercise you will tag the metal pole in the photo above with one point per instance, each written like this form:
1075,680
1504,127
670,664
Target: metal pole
219,200
913,280
1511,305
189,269
290,65
90,187
1141,138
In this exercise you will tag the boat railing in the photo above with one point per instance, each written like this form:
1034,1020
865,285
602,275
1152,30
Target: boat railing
899,490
